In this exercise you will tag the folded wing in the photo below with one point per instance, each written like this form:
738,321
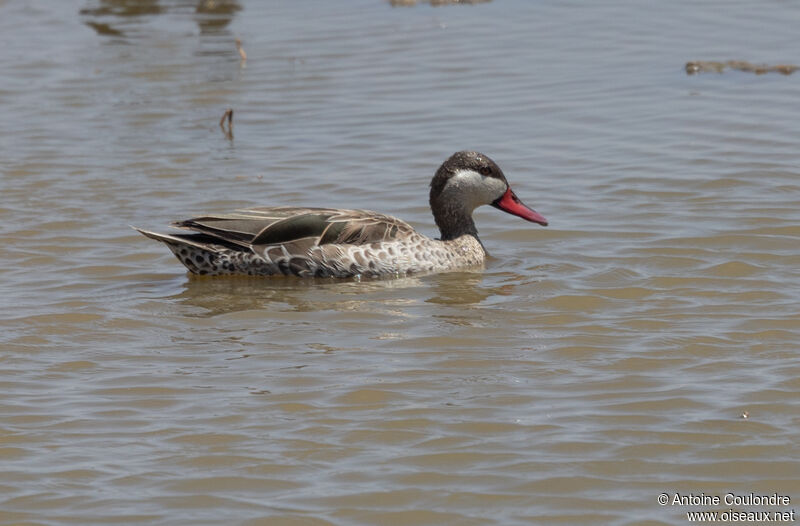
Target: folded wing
297,230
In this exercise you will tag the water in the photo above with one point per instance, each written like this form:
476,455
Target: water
644,343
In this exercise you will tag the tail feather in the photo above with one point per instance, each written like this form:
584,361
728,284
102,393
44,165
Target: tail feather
200,253
200,241
206,254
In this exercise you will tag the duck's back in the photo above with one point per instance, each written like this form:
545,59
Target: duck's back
284,225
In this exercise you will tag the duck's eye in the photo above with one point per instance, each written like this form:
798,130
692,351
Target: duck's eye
485,170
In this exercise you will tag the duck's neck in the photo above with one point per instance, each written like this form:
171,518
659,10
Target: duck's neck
453,219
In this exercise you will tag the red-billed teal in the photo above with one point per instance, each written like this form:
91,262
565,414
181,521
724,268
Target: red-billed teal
325,242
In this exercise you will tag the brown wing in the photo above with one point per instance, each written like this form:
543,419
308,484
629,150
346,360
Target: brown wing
297,230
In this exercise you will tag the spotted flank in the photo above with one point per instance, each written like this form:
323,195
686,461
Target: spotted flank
324,242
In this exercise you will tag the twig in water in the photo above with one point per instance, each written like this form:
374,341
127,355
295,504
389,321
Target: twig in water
229,116
240,49
706,66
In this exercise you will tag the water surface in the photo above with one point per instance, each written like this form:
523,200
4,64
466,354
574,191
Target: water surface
590,367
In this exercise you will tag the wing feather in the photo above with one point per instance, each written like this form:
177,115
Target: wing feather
296,229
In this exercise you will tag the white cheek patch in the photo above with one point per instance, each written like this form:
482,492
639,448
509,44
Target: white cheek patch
474,189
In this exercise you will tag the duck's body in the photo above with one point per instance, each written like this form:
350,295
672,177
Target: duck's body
323,242
318,242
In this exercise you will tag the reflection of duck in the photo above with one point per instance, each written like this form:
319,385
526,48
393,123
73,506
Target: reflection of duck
460,288
212,297
325,242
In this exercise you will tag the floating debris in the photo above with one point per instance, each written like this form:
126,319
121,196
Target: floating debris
228,115
212,15
707,66
745,415
218,6
104,29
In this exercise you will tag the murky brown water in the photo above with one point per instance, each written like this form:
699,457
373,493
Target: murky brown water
591,367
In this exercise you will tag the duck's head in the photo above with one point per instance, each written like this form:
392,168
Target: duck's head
466,181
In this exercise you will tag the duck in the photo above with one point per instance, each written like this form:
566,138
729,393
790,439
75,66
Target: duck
336,243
